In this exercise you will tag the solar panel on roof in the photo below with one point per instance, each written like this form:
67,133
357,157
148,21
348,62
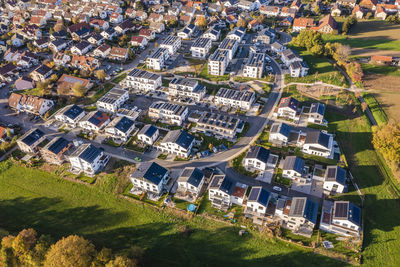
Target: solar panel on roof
331,172
298,206
254,193
341,209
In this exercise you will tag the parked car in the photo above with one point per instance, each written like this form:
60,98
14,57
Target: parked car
277,188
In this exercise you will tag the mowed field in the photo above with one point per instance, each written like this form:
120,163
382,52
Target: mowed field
371,37
51,205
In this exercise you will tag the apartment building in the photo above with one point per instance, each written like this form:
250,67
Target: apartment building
148,134
113,100
143,80
254,67
157,59
183,87
235,98
229,45
172,44
56,151
257,202
168,113
201,47
218,62
219,125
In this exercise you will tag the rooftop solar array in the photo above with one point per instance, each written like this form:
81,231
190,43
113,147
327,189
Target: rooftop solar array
73,112
297,208
57,145
218,120
341,209
255,191
235,94
32,137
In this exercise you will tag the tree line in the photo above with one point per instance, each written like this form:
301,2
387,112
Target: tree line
312,41
29,249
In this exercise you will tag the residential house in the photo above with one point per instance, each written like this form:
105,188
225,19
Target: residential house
316,113
66,82
341,218
59,45
319,144
102,51
300,215
149,34
96,39
70,115
213,33
116,18
124,27
139,41
334,180
88,158
302,23
56,151
172,44
109,34
118,53
257,203
326,25
279,133
178,143
259,159
190,183
94,121
29,142
120,128
112,100
270,11
224,191
298,69
151,178
237,34
30,104
288,108
81,48
148,134
84,63
294,168
41,73
24,83
99,24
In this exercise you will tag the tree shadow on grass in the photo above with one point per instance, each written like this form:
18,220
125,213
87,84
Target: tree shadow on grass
45,215
166,244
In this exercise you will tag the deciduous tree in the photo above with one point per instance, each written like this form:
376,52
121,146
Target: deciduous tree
70,251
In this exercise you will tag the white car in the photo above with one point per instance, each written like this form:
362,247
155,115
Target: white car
277,188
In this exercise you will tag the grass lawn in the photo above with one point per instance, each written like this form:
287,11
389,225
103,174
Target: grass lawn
365,36
320,67
381,207
212,89
120,78
207,140
381,69
33,198
375,108
237,165
204,74
99,93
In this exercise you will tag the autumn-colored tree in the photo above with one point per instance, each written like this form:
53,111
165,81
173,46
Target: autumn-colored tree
386,139
78,89
71,251
310,40
241,23
201,22
53,78
355,71
121,261
364,106
101,75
